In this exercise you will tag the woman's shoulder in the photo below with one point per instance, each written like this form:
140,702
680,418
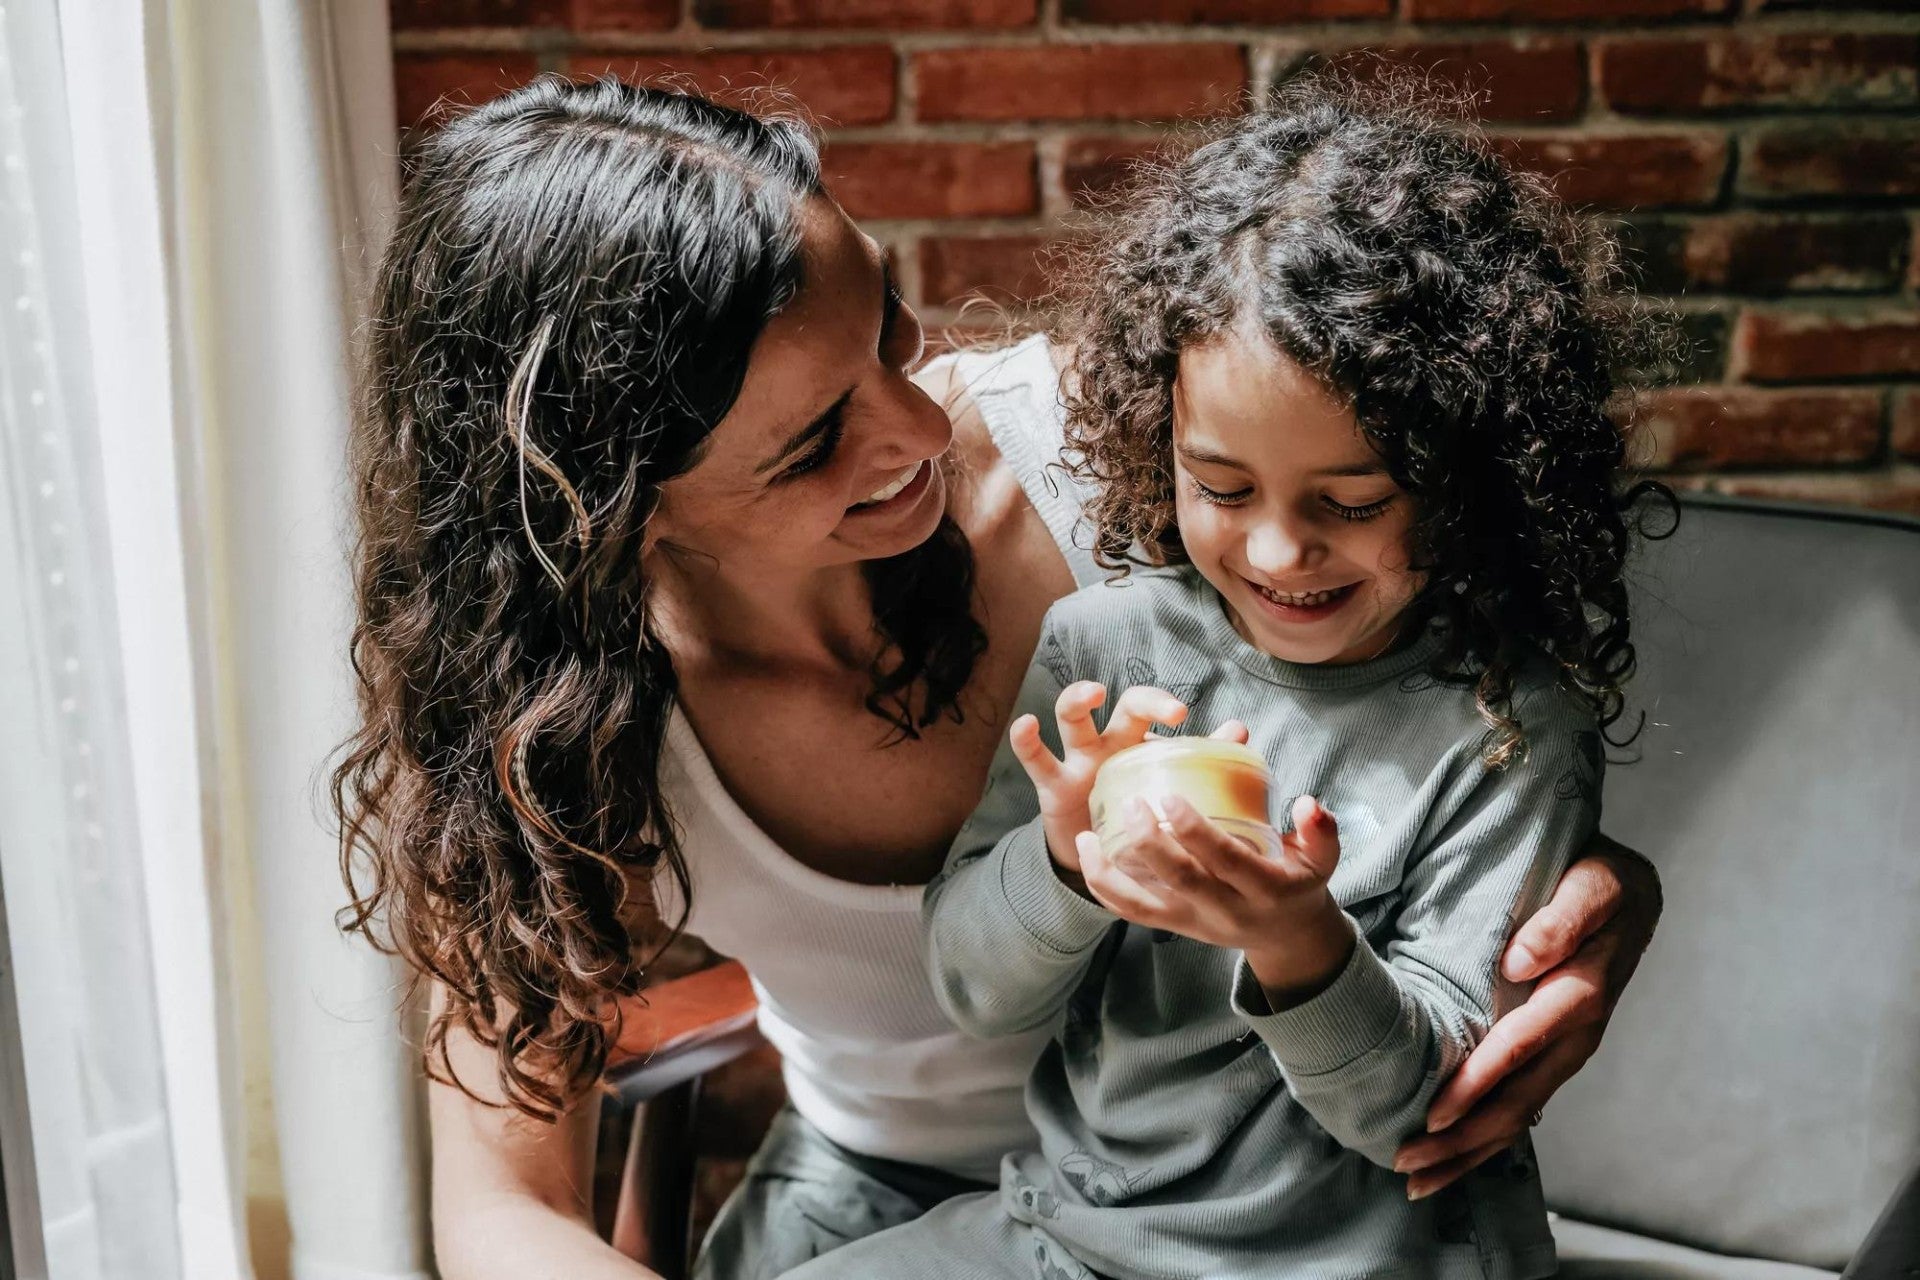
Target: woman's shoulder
1004,400
1009,438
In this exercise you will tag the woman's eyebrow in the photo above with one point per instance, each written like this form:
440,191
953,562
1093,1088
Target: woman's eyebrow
806,435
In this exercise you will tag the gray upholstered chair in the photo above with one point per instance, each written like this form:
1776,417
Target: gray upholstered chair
1757,1102
1755,1113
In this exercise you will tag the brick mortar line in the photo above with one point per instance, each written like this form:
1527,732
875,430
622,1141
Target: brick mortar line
1893,468
1709,302
688,35
1597,126
1264,60
1891,304
983,132
1592,123
1886,388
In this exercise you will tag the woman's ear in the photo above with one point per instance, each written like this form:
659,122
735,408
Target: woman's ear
655,522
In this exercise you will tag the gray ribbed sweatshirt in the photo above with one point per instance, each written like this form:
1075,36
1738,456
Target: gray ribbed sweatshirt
1186,1129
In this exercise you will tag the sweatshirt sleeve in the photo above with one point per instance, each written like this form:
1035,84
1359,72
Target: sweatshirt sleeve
1366,1056
1007,939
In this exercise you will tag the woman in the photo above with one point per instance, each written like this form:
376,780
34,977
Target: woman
680,597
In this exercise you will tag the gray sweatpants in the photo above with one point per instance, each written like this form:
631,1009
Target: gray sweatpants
805,1195
966,1238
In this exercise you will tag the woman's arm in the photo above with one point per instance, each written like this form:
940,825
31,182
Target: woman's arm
512,1196
1583,946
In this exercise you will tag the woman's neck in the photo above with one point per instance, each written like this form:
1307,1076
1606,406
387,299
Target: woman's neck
707,611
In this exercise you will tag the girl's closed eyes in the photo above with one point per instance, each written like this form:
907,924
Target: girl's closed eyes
1357,513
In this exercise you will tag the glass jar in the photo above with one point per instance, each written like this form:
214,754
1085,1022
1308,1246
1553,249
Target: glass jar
1224,781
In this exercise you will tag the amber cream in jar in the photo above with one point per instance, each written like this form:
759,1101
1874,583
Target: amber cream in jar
1224,781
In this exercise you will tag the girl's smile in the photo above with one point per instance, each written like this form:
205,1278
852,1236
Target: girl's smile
1284,507
1303,606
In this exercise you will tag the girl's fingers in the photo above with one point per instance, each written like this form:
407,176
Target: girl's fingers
1158,853
1231,731
1221,857
1138,710
1073,709
1024,737
1315,838
1113,888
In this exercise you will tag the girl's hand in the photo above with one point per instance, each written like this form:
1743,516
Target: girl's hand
1065,784
1584,946
1216,888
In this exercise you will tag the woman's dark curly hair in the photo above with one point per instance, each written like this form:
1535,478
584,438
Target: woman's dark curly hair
1471,322
564,313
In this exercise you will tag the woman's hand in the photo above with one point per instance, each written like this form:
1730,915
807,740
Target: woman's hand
1583,946
1189,876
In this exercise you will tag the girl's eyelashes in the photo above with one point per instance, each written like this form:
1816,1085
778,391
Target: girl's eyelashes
1215,496
1367,512
1233,498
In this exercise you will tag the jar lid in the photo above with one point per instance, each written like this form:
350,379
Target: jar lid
1167,750
1220,779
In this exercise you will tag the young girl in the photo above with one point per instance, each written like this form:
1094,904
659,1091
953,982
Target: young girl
1341,377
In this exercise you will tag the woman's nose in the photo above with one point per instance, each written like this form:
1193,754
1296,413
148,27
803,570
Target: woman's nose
1278,546
912,427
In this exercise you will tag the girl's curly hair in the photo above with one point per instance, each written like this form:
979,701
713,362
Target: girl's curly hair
1472,323
565,311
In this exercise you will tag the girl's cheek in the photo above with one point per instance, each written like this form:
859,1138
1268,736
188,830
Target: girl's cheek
1202,527
1396,560
1396,540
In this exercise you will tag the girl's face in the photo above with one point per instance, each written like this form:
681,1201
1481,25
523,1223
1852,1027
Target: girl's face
1285,508
828,456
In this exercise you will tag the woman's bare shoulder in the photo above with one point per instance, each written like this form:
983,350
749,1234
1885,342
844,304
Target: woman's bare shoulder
984,496
982,487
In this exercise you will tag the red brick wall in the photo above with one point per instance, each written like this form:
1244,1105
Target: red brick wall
1764,156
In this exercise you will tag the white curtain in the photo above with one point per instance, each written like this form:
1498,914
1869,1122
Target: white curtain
229,164
92,1179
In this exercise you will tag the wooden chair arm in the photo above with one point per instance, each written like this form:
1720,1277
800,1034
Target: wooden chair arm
680,1030
670,1038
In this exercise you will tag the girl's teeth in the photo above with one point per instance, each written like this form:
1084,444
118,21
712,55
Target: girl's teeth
1304,600
899,482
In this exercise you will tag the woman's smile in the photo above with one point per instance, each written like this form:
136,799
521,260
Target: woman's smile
895,487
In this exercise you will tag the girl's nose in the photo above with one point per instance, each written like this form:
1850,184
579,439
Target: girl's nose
1276,547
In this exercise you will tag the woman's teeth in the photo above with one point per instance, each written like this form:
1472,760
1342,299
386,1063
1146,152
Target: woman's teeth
893,487
1299,600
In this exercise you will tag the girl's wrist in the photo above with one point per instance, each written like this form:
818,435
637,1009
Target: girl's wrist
1067,870
1315,946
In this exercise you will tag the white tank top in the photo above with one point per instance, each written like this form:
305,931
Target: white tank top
839,967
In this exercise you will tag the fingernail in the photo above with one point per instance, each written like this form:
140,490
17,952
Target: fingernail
1417,1190
1520,961
1440,1120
